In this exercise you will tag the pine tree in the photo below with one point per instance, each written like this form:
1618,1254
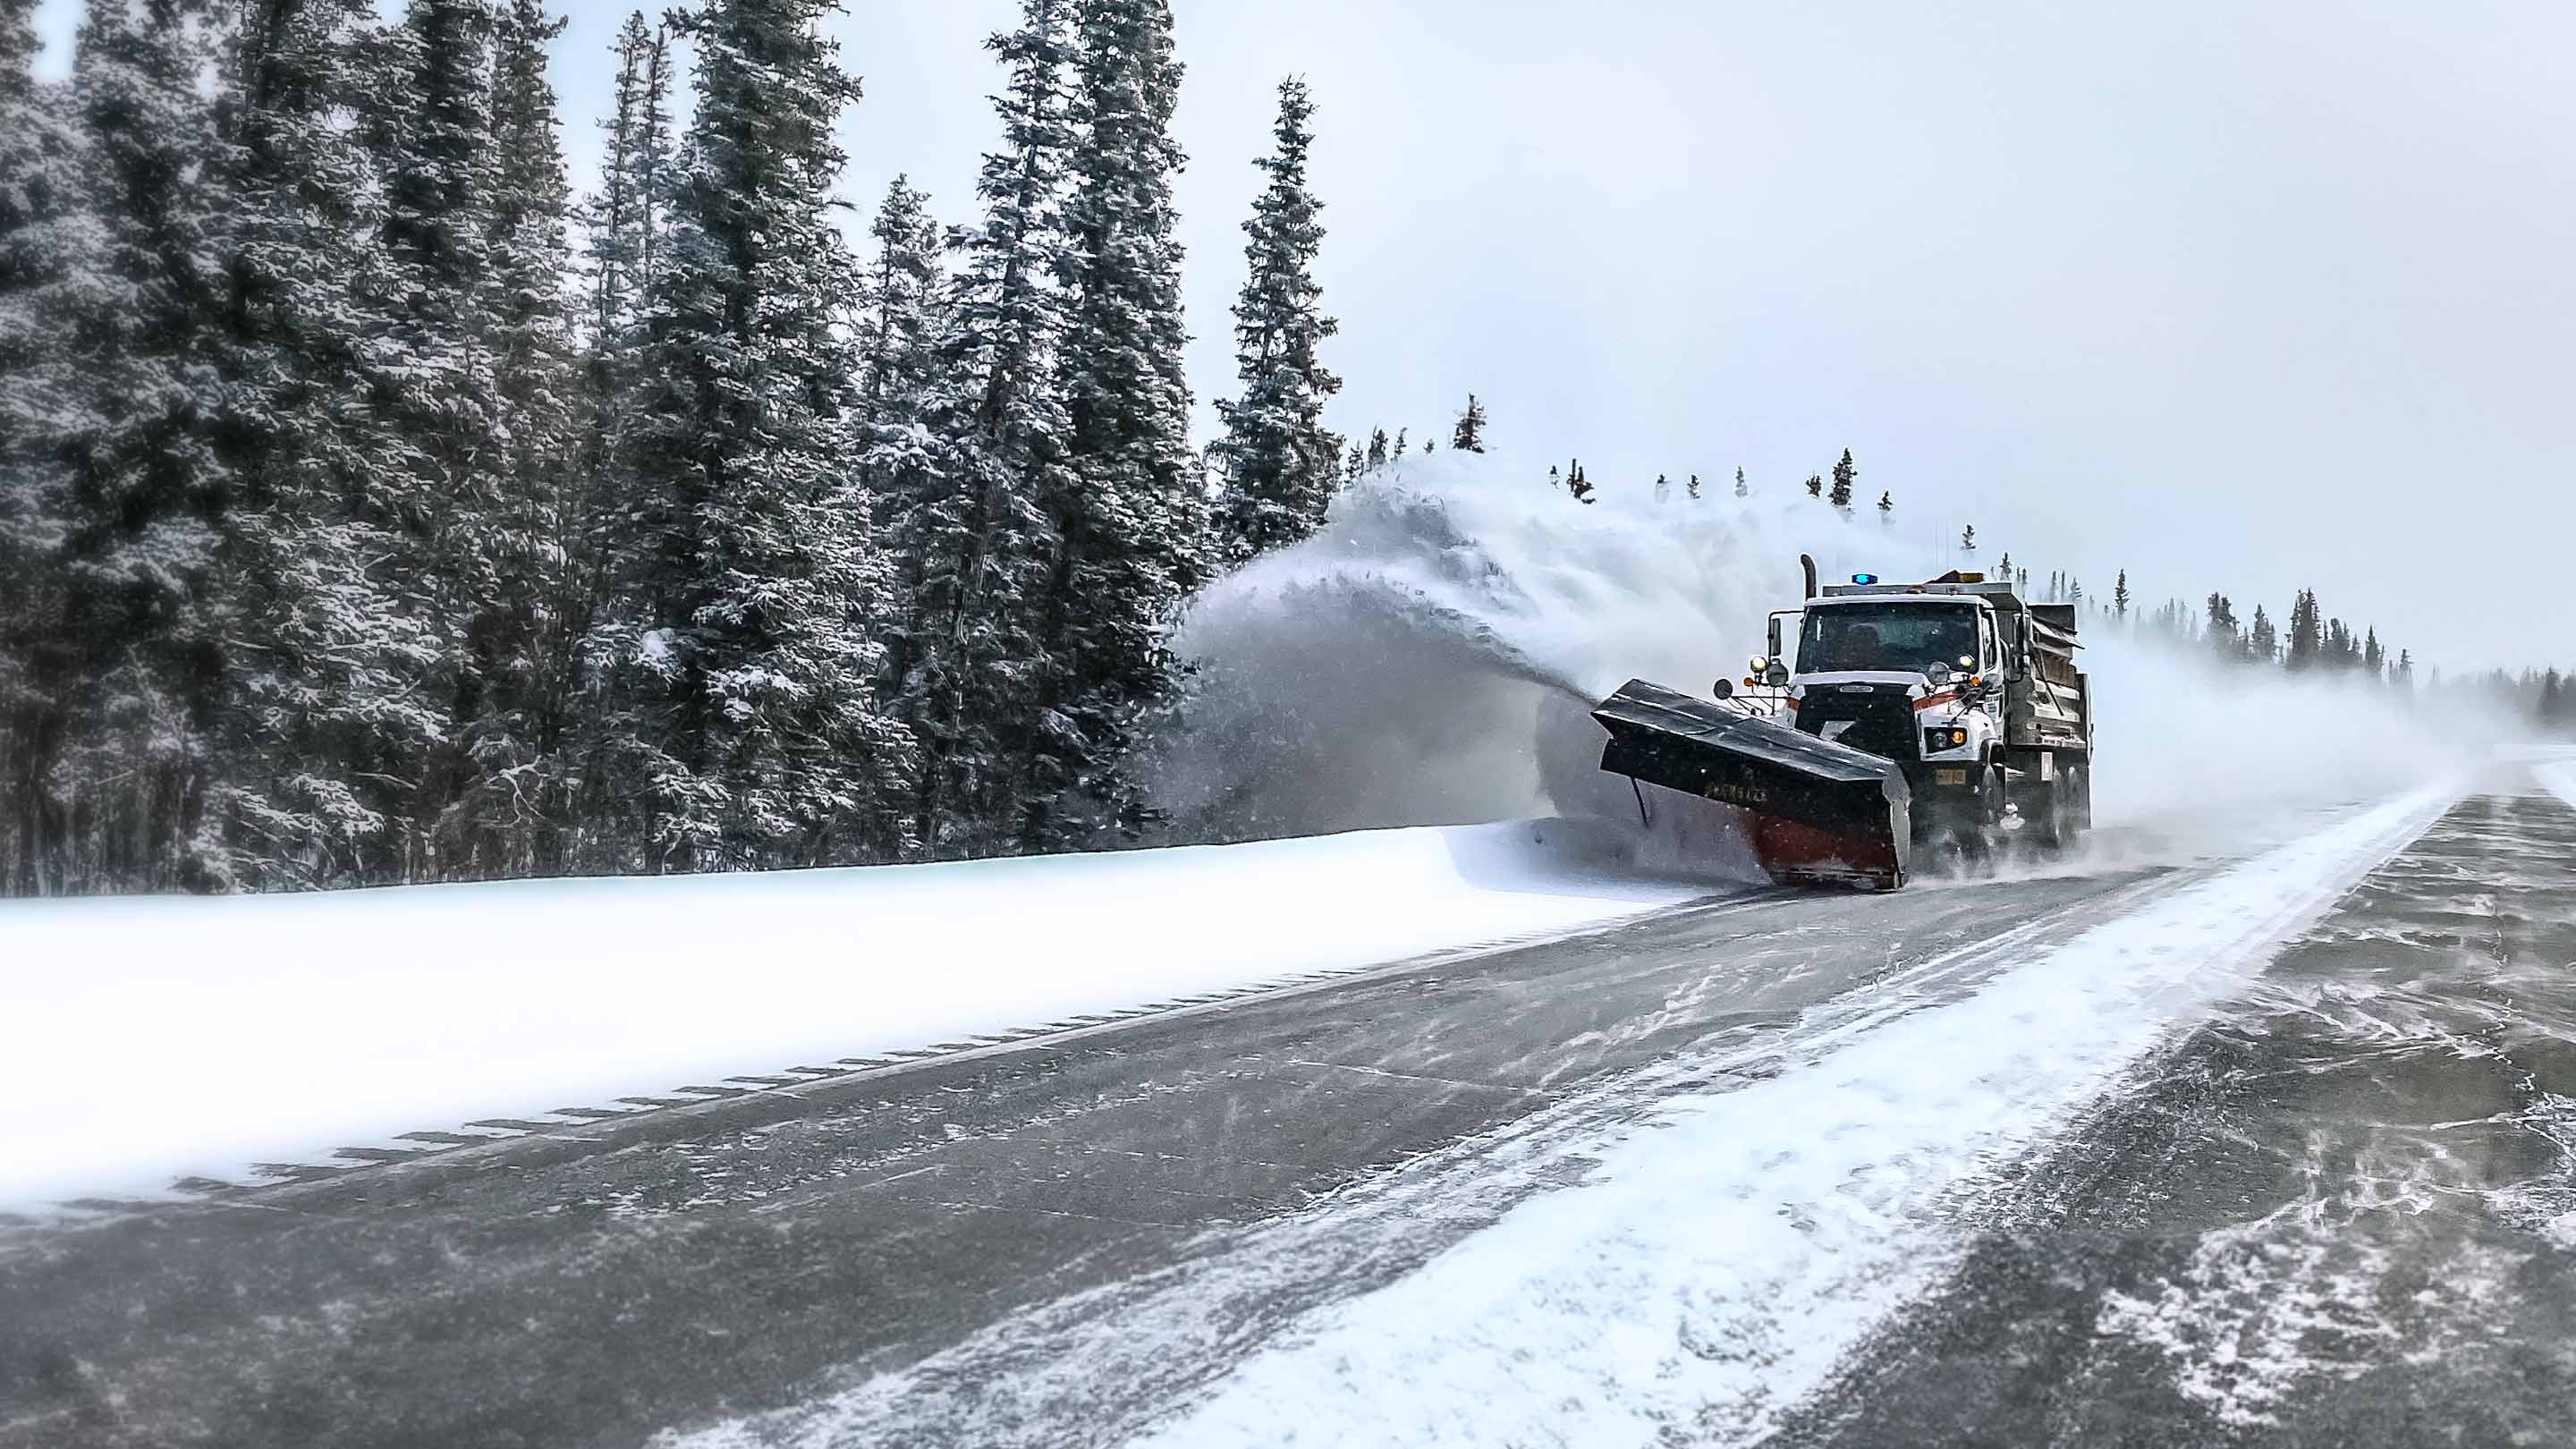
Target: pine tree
1968,539
46,231
1742,489
2403,675
128,489
1129,506
518,717
1691,489
1844,475
1276,453
1402,446
2223,636
1555,476
2120,602
902,319
2306,634
1377,448
2337,654
2262,641
1352,464
766,586
1577,484
2374,659
1469,436
982,541
1663,487
1887,508
1815,485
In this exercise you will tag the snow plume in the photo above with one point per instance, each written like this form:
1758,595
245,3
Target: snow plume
1433,654
1431,657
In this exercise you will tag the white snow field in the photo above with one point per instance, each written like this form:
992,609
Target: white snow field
158,1038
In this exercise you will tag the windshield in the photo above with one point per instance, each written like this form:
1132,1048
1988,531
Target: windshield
1886,636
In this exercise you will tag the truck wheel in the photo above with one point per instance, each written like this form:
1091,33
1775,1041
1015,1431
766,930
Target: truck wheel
1983,830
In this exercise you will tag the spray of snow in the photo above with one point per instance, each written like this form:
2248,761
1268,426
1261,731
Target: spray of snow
1432,655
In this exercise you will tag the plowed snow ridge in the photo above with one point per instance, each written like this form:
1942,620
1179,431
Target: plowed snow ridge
1710,1274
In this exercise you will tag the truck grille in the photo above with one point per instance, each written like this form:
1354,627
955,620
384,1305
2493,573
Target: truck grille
1882,720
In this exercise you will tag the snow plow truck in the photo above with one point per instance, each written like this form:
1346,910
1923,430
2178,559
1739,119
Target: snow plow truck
1918,722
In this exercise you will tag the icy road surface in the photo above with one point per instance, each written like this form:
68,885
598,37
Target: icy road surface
2276,1150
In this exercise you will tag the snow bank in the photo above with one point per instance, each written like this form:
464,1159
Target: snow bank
153,1038
2559,779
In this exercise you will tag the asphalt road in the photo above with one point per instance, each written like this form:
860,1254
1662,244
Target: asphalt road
862,1240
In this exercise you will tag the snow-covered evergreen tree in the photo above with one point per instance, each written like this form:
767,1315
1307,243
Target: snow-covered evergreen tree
2120,600
1131,537
1844,476
904,315
518,716
46,232
1742,488
129,685
982,541
1276,453
1469,436
2307,635
2374,658
1690,490
759,663
1377,448
1886,507
2263,640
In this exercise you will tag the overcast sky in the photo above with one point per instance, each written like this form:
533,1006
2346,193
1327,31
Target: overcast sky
2234,296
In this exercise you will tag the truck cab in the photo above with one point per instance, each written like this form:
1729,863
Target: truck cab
1969,689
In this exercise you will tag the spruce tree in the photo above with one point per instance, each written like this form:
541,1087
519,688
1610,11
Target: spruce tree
982,539
1129,506
1663,487
1470,434
1690,490
1742,488
46,232
2223,636
2120,601
767,587
1886,507
1844,475
1377,448
127,693
1402,445
2307,637
2374,659
1276,455
1815,485
2263,641
1968,539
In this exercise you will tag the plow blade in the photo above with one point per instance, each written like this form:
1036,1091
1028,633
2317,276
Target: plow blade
1822,811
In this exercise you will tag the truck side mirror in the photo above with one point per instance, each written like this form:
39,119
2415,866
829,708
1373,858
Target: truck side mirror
1777,676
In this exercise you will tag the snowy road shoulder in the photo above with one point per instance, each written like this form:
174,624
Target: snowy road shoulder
151,1040
2558,777
1710,1273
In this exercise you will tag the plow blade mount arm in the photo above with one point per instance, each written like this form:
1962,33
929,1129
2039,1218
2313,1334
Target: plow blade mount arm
1822,811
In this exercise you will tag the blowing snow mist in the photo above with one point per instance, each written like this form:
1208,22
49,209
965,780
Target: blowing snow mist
1432,655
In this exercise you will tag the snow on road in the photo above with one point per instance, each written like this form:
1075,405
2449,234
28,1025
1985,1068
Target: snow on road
151,1039
2558,778
1709,1273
